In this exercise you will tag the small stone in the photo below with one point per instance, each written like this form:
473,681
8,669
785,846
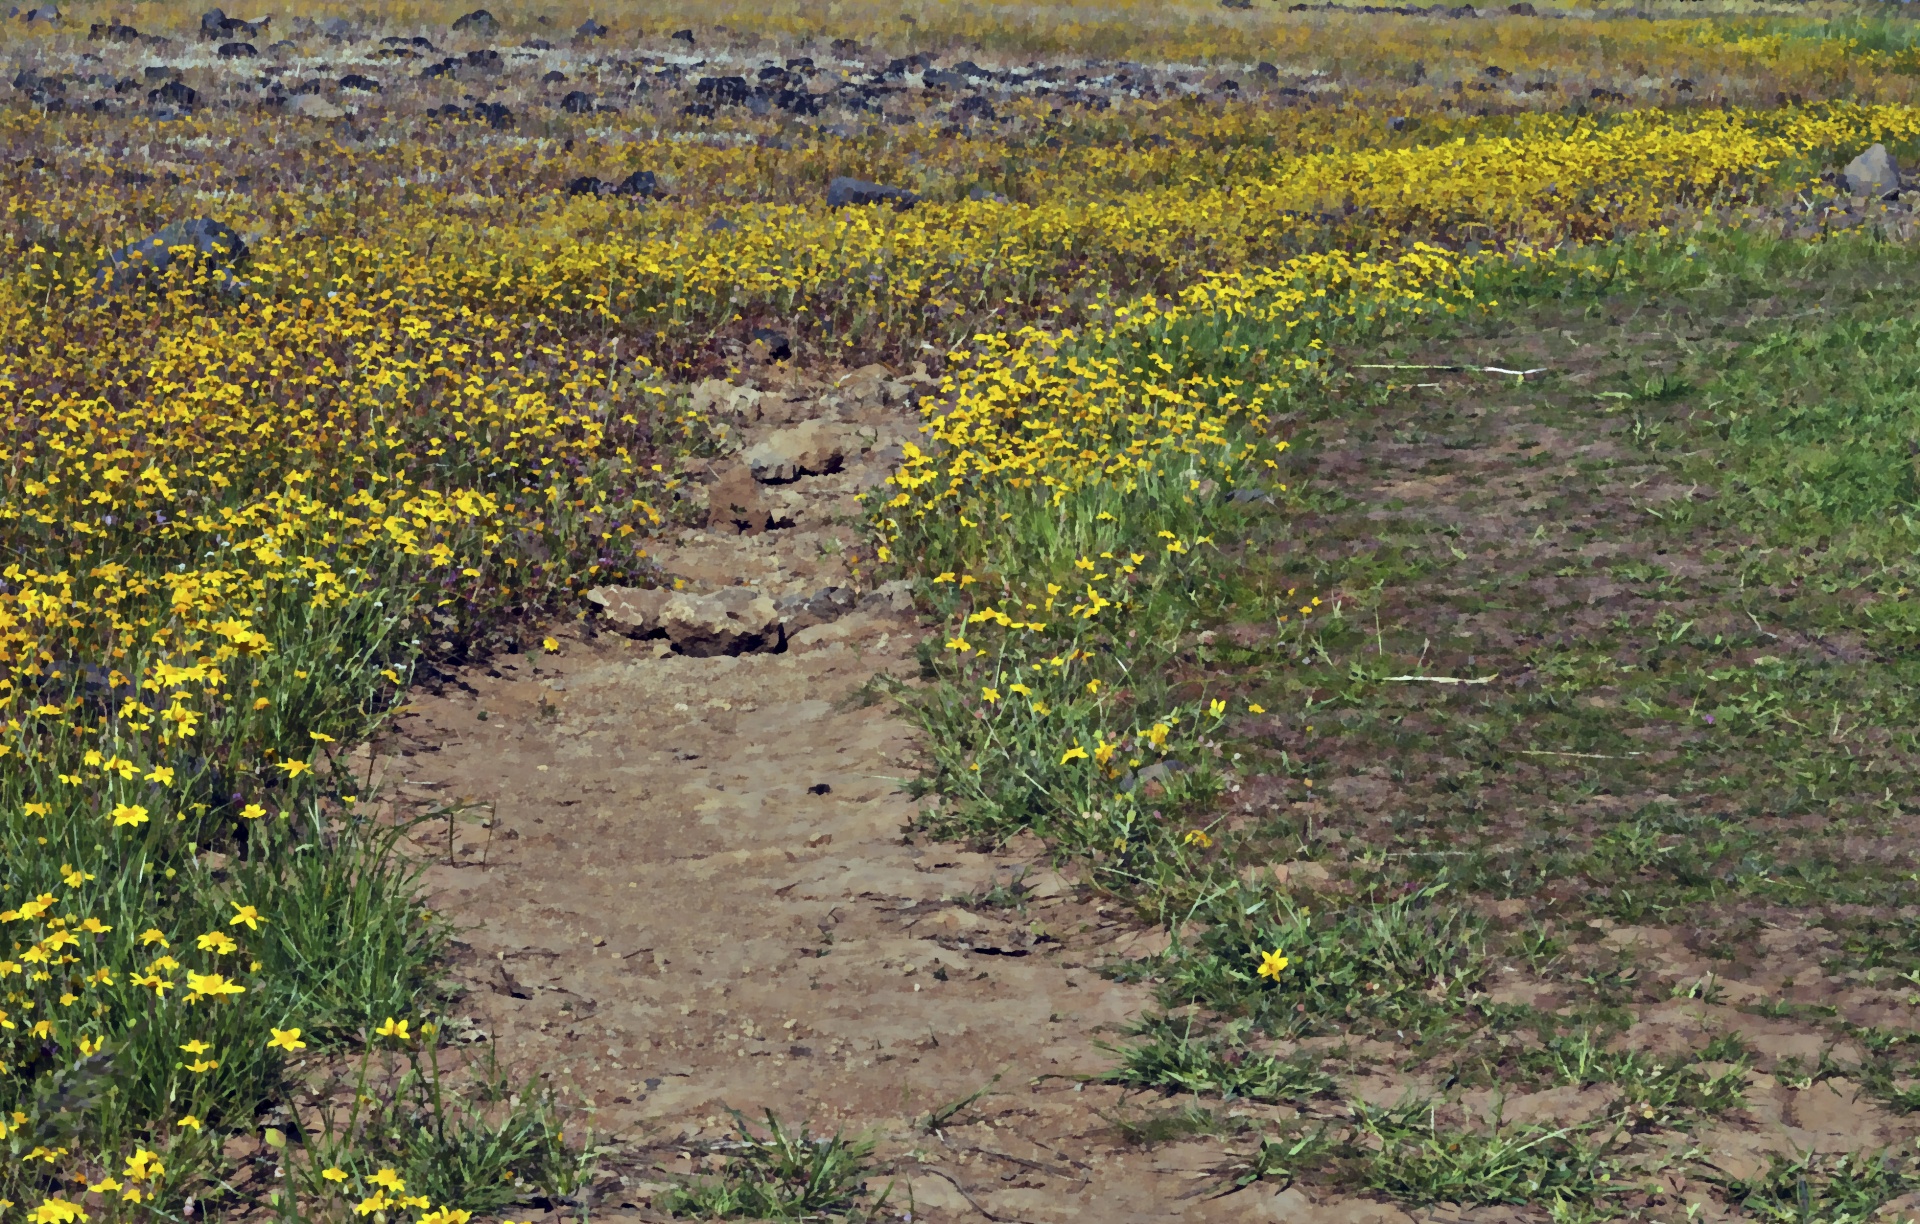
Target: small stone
717,395
812,448
779,347
365,84
894,596
586,184
844,192
579,102
635,611
805,611
735,505
591,29
685,36
313,106
1874,173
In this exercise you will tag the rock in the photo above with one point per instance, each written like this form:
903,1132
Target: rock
974,107
591,29
843,192
496,114
202,239
313,106
45,13
805,611
717,395
479,21
365,84
639,183
337,28
731,621
723,90
586,184
113,31
579,102
213,23
556,77
894,596
778,346
685,36
175,93
735,505
872,384
238,50
1874,173
812,448
633,610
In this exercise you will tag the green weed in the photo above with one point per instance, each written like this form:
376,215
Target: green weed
783,1175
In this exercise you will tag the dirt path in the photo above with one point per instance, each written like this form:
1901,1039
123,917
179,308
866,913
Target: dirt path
688,889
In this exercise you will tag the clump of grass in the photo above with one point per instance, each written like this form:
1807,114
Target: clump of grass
782,1175
1179,1056
1418,1161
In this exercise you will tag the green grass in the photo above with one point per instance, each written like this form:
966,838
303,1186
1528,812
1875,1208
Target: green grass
1687,553
781,1175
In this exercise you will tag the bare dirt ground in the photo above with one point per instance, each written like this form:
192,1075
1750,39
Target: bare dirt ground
688,886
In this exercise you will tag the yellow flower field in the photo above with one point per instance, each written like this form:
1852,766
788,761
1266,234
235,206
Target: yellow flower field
451,397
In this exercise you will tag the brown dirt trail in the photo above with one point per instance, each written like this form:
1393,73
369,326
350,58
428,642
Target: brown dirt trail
685,884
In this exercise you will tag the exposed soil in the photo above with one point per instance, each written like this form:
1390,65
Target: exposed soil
689,886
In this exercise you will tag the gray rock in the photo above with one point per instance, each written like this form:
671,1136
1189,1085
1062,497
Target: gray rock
479,21
313,106
337,27
731,621
202,240
895,596
635,611
812,448
591,29
845,192
805,611
1874,173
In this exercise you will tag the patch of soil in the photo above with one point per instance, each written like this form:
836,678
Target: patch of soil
686,884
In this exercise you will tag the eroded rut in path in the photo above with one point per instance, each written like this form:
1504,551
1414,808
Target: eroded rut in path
688,888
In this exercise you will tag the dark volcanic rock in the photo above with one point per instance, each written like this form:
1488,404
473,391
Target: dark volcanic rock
202,241
723,90
175,93
843,192
479,21
639,183
579,102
